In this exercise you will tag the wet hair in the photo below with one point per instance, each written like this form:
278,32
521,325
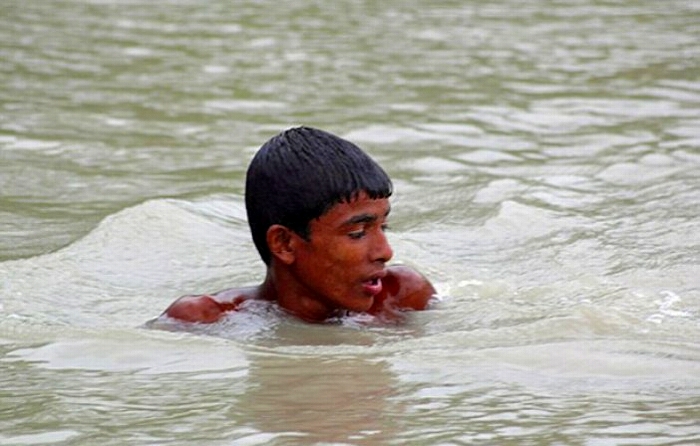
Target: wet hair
298,175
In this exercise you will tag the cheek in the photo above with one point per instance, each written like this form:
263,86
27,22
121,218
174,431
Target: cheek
344,256
333,258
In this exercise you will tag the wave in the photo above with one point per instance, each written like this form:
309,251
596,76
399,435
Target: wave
132,264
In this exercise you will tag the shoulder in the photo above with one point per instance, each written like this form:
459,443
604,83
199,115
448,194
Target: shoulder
208,308
407,288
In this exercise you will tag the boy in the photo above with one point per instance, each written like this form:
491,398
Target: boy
317,207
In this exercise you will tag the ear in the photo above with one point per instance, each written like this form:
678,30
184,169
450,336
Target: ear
281,244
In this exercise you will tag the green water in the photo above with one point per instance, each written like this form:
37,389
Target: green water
545,157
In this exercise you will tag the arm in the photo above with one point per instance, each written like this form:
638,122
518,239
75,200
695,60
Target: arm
209,308
414,291
195,309
404,289
203,308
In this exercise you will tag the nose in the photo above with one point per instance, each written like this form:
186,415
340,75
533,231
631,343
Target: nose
382,251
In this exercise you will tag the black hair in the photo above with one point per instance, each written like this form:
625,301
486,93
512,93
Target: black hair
300,174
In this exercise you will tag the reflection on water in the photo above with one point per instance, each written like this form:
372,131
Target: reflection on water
545,158
321,399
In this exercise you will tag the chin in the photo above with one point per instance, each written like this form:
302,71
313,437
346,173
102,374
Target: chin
359,306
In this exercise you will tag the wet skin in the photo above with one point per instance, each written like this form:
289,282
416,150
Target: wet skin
341,267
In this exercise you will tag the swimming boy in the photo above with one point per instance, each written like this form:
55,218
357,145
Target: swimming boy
317,207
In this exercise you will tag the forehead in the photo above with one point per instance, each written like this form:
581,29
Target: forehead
350,212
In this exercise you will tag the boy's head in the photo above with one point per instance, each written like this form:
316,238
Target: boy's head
300,174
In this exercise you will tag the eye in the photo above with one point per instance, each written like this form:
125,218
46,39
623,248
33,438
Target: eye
386,227
356,235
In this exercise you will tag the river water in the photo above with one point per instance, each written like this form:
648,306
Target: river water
545,157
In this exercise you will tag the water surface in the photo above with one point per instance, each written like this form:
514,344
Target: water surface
545,156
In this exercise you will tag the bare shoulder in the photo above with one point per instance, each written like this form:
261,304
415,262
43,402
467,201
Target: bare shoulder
208,308
408,288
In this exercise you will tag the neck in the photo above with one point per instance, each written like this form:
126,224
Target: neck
280,286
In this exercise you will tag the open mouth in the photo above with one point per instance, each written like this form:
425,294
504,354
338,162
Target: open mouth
373,286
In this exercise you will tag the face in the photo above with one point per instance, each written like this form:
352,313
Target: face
343,262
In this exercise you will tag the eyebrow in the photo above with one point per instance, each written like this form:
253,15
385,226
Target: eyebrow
364,218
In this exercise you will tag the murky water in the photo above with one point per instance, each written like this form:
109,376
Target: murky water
545,156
